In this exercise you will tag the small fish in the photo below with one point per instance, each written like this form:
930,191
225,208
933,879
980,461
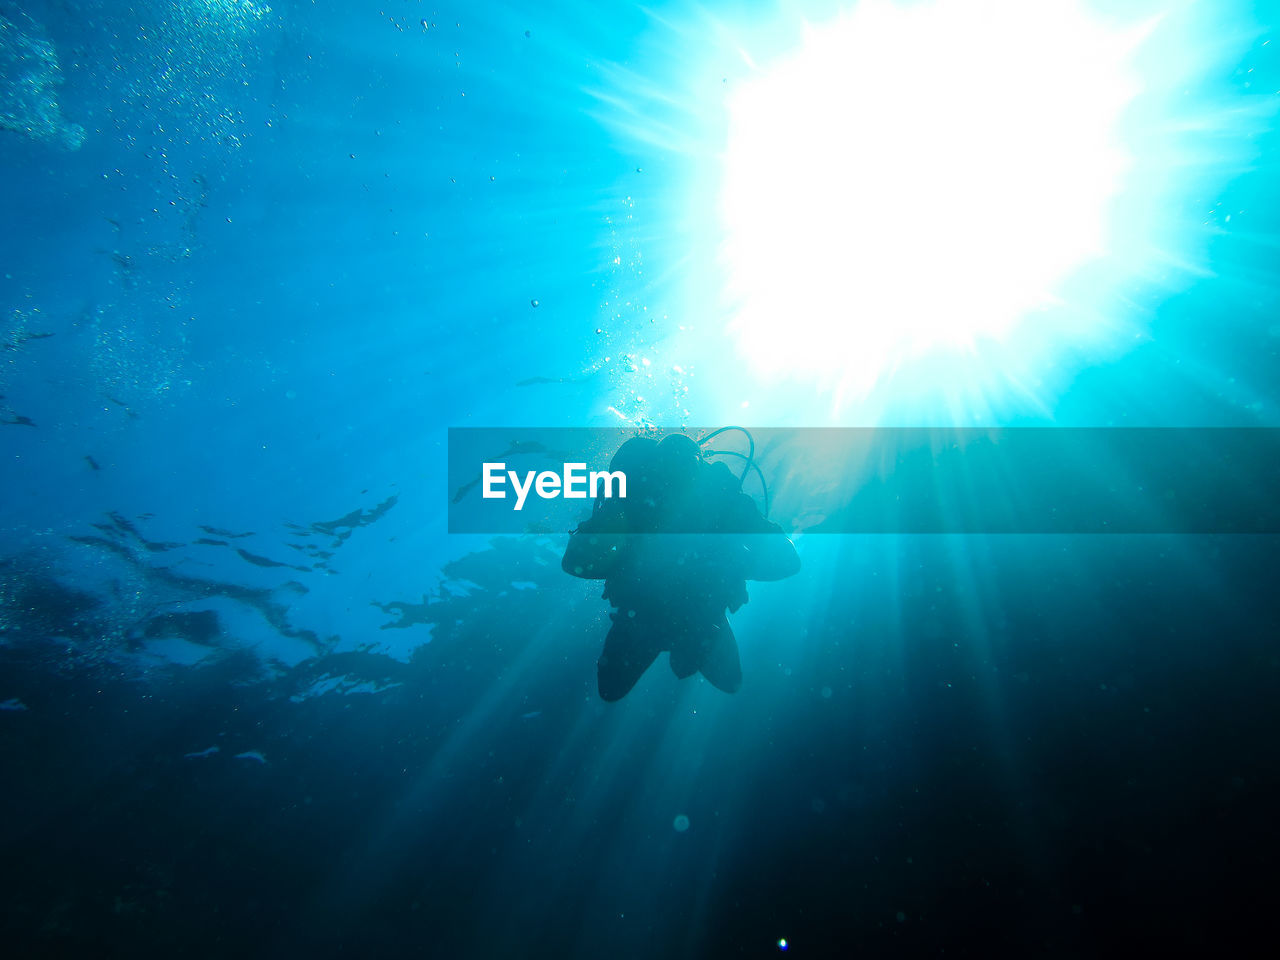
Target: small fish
463,490
201,754
530,715
13,703
93,464
259,561
14,340
218,532
127,409
252,755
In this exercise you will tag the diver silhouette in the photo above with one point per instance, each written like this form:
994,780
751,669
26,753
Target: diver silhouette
675,555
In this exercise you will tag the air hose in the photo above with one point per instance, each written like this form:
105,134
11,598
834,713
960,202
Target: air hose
749,457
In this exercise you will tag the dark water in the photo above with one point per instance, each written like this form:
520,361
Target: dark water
1068,750
256,700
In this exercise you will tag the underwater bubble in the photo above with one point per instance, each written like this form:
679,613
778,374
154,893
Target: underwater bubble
29,81
681,823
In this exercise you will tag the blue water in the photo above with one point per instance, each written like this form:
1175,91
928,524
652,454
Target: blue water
255,263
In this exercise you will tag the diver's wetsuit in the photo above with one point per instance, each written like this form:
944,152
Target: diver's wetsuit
671,590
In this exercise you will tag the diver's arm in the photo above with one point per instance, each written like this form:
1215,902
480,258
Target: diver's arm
593,550
769,555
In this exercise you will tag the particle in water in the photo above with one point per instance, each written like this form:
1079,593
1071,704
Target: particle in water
782,944
533,303
681,823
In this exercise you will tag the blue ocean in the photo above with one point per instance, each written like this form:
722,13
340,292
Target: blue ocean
987,293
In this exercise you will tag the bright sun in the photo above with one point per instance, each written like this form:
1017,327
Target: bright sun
917,179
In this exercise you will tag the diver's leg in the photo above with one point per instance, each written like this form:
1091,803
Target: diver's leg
686,641
685,654
628,652
721,665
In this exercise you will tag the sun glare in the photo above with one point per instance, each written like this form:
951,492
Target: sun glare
919,178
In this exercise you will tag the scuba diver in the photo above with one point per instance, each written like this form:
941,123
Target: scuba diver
675,555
